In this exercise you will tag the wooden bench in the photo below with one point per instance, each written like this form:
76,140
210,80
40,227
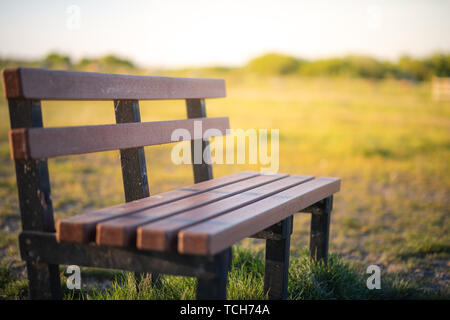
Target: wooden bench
188,231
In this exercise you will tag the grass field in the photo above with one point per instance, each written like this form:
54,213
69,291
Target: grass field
387,140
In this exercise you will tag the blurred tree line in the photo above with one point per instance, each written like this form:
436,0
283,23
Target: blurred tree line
354,66
271,64
54,60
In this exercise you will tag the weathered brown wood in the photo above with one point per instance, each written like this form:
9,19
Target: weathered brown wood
162,235
320,230
214,235
43,247
12,84
40,143
122,231
211,215
40,84
81,228
18,144
200,152
35,202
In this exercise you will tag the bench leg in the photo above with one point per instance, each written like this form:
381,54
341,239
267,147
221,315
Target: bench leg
216,288
43,281
277,261
320,230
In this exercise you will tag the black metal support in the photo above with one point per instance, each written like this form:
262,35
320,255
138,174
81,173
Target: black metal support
277,260
320,229
42,246
134,169
207,288
196,108
215,288
35,202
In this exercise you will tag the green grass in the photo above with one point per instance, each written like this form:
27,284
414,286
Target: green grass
12,286
307,280
387,140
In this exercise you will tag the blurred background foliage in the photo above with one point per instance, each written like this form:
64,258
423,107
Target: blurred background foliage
270,64
372,123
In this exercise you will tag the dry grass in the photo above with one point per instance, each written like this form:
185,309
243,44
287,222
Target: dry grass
387,140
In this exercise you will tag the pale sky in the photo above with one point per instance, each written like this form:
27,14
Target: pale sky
174,33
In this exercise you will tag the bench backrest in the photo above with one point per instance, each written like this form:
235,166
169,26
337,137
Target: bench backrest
31,144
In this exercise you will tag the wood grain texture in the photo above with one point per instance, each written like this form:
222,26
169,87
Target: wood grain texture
214,235
40,143
41,84
81,228
12,87
163,234
122,231
18,144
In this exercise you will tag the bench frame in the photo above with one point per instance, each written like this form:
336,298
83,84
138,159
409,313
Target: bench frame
43,254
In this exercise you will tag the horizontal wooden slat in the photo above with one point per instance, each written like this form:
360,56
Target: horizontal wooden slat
81,228
122,231
213,235
41,84
163,234
38,143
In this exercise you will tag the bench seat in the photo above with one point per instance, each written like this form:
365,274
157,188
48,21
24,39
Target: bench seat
203,218
185,232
